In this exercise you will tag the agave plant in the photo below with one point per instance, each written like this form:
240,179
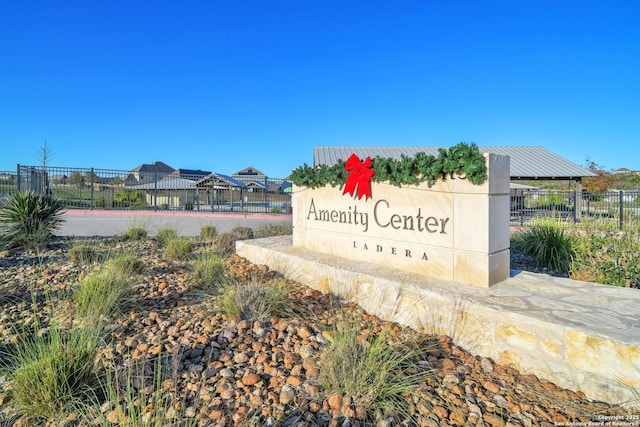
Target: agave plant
28,219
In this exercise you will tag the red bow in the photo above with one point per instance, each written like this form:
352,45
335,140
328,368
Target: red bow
360,176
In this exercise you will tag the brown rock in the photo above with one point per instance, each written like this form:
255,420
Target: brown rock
281,325
494,420
287,395
490,386
335,401
251,379
215,414
293,381
303,332
456,418
441,412
262,358
347,411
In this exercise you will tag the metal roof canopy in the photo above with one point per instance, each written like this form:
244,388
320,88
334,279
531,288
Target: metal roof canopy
530,163
220,180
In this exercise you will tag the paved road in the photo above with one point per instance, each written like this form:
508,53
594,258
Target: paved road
110,223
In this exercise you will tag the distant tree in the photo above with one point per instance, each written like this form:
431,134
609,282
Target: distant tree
76,179
627,181
129,199
599,183
90,177
44,155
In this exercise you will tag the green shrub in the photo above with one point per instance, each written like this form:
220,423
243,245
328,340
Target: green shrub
129,199
226,242
208,270
208,232
375,373
135,233
53,370
243,233
549,245
28,219
165,234
178,248
268,230
254,300
609,257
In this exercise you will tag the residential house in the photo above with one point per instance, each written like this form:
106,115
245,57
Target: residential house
148,172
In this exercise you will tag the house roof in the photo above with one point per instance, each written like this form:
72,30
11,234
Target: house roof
154,167
529,163
192,174
249,172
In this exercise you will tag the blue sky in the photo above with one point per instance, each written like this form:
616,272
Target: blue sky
222,85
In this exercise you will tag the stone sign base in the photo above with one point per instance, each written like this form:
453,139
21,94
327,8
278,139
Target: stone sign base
581,336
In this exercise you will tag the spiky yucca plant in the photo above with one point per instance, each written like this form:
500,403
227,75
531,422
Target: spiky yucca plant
28,219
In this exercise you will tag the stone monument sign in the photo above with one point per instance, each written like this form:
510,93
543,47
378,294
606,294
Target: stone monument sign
448,228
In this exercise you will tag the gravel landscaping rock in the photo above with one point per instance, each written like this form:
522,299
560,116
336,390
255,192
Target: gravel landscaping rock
216,371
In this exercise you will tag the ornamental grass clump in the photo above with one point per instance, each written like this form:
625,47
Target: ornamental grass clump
255,300
102,293
164,235
83,253
125,263
179,248
549,244
52,372
208,232
208,270
137,396
28,220
376,373
135,232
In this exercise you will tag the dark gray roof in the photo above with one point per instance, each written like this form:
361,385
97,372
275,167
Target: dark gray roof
526,162
154,167
192,174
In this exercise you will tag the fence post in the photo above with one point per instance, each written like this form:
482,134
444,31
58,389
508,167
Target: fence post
621,210
91,191
155,191
575,206
264,192
18,176
521,208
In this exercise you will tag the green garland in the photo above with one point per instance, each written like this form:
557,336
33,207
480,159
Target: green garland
462,159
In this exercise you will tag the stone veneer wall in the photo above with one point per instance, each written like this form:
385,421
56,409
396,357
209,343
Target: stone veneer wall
602,365
449,229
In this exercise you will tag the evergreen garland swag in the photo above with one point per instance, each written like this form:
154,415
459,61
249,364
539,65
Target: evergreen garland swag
462,159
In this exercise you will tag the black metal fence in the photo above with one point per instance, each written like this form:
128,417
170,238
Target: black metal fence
620,208
91,188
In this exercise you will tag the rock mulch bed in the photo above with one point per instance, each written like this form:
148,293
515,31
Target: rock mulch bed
219,372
